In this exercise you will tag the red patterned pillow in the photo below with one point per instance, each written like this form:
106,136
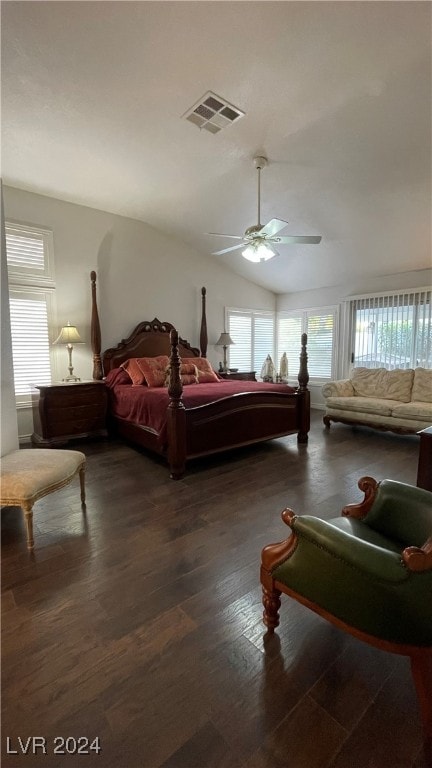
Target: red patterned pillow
153,369
188,374
206,374
134,372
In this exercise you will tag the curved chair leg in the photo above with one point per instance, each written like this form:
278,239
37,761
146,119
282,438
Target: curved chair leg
82,484
271,603
421,669
27,508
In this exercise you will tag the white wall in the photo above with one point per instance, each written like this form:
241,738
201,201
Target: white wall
141,274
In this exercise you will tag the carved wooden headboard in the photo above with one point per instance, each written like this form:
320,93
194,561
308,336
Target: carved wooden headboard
148,339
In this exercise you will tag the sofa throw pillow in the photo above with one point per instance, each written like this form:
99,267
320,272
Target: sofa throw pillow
422,386
206,374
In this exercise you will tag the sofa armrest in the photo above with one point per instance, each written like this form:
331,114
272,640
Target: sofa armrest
363,556
341,388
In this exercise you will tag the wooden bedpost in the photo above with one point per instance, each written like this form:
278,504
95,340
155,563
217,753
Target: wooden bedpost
203,333
176,416
95,332
303,391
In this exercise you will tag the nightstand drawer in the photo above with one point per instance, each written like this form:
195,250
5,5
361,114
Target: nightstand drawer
76,427
60,412
64,411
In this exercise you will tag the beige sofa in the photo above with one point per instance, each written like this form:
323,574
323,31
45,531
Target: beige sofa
399,400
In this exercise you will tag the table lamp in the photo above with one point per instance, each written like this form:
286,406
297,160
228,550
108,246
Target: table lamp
224,341
69,336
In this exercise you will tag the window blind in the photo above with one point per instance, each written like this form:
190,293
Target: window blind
320,326
25,252
30,342
252,332
30,272
392,331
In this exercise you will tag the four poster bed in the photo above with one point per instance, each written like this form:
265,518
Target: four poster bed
184,420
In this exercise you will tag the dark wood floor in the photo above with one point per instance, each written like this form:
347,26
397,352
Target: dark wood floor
140,623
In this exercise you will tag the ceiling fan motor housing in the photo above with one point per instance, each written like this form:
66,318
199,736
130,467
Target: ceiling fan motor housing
260,162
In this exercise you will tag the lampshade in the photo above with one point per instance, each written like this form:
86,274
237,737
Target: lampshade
68,335
259,252
224,340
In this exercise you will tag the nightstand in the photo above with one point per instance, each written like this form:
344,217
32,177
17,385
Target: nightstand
240,375
63,412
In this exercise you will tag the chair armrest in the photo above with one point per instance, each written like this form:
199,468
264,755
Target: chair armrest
368,558
397,510
341,388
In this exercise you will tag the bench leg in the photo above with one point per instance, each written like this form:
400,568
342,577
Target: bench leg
82,483
28,516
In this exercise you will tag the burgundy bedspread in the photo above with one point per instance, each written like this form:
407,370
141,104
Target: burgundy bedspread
147,406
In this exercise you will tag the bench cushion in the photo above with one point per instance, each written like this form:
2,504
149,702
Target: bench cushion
28,474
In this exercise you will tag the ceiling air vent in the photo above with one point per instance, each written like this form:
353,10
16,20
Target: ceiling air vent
213,113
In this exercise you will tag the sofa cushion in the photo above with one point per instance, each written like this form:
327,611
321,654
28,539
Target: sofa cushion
398,384
363,405
422,385
413,410
383,384
366,381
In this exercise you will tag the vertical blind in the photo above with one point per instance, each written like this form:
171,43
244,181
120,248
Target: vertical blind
392,331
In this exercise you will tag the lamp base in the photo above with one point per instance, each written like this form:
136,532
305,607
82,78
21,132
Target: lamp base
71,378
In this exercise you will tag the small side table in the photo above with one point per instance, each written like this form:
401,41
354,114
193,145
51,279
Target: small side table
424,470
63,412
239,375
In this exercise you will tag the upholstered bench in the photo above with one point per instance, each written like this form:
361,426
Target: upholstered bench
29,474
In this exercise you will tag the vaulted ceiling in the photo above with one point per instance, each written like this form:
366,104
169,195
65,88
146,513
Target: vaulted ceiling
337,95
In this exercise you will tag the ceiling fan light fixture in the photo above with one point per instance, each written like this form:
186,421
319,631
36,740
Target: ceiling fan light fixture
257,252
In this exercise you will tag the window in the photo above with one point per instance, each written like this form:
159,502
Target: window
392,331
31,294
320,326
252,332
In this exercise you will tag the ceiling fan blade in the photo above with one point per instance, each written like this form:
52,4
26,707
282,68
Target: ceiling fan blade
290,239
273,226
219,234
226,250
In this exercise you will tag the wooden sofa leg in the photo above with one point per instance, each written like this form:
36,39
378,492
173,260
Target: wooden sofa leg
421,669
28,517
326,421
271,603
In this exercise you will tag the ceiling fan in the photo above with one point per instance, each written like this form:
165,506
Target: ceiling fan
260,239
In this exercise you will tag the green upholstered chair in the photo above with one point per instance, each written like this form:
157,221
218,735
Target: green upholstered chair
369,572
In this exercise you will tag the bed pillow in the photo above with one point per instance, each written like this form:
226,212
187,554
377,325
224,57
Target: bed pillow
134,372
206,373
188,374
117,376
153,369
